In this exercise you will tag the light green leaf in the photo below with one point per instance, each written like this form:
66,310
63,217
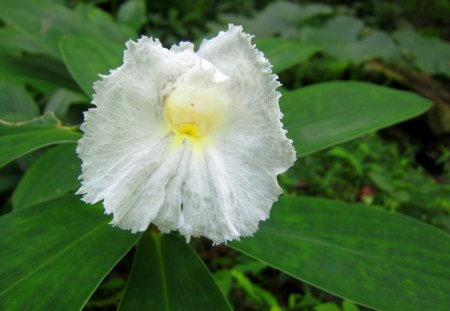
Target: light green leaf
18,139
54,255
279,18
431,55
16,41
46,23
15,103
340,37
379,259
133,14
86,58
60,100
284,53
329,113
168,275
53,175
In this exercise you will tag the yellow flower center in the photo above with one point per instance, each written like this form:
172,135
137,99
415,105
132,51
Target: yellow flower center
198,103
194,112
185,119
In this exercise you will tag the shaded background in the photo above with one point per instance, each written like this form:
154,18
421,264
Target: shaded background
404,168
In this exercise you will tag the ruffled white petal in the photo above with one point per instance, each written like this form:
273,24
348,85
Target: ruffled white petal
255,118
219,183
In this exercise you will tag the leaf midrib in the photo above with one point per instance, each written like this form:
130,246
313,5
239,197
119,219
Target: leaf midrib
350,251
163,272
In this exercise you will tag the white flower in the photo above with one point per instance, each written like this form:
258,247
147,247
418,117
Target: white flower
188,141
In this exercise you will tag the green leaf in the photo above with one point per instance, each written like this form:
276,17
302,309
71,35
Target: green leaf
379,259
15,103
55,174
329,113
60,99
47,22
15,41
279,18
36,68
168,275
283,53
8,181
133,14
86,58
107,27
340,37
54,255
431,55
18,139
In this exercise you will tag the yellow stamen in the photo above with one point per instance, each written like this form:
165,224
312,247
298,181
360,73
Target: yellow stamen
190,129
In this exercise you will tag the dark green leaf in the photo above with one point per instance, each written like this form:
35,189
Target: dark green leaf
8,181
35,68
54,255
283,53
53,175
383,260
86,58
329,113
15,103
21,138
168,275
107,27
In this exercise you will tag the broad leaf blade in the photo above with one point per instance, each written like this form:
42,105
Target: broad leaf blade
340,37
53,175
15,103
87,58
36,68
283,53
18,139
428,54
379,259
168,275
45,23
55,255
326,114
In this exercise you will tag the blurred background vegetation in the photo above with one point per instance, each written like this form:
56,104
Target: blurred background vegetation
405,168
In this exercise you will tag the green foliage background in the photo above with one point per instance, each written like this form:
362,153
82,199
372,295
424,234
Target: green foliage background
350,71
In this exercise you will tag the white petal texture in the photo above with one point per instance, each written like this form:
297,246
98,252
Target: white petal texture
188,141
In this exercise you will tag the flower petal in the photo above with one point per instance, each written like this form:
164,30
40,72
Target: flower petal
126,135
254,120
140,160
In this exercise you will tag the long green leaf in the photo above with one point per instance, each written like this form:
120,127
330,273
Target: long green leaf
283,53
36,68
53,175
18,139
86,58
379,259
329,113
53,256
47,22
168,275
